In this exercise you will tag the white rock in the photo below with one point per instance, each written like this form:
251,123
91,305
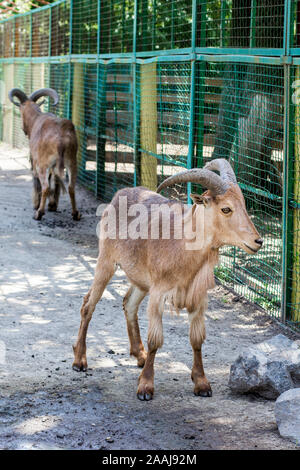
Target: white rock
269,368
287,413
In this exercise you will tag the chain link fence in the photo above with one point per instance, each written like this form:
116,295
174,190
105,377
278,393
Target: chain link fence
155,86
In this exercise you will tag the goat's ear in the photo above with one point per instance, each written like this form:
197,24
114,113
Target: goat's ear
201,199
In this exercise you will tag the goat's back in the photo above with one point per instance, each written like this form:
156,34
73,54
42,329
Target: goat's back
52,136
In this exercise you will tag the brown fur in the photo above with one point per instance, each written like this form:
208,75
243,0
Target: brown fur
168,272
53,147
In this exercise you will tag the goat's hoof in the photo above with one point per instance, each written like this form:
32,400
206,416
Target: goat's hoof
79,367
38,215
76,215
203,391
80,362
145,396
52,206
145,391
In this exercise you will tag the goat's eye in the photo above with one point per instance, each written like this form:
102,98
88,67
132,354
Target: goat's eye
226,210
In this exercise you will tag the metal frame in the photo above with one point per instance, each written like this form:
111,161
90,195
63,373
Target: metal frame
286,56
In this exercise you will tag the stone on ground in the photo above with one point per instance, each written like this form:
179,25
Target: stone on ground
268,368
287,413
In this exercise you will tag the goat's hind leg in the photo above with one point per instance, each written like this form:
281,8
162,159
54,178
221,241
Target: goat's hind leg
103,273
131,303
54,196
197,336
72,173
145,389
45,193
36,192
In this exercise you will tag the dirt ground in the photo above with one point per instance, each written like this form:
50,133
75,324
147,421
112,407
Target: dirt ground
45,269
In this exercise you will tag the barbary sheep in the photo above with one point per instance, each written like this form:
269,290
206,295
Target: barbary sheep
53,147
177,269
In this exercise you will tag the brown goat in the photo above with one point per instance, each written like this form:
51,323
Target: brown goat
165,267
53,146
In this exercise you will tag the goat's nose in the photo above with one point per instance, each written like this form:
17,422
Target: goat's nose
259,241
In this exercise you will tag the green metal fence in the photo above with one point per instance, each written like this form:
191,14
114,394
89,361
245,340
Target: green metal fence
155,85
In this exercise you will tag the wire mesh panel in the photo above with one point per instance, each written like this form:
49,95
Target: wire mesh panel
85,27
22,80
173,106
116,128
240,107
60,29
183,82
241,23
8,38
164,25
84,105
22,36
116,26
58,77
40,34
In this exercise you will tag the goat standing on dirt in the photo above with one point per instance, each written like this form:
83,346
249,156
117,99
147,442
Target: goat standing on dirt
53,146
164,268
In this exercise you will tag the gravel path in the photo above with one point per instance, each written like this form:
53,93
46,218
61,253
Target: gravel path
46,268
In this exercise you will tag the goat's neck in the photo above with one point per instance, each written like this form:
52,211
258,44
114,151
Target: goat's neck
198,230
30,115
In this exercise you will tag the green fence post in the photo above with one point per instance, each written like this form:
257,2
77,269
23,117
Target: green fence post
200,87
253,23
101,117
293,228
144,25
192,97
223,21
135,107
70,63
285,288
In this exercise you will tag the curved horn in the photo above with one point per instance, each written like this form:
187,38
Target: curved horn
16,92
45,92
206,178
223,166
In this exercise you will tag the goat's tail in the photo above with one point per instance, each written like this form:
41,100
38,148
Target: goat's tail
61,163
55,175
58,171
61,183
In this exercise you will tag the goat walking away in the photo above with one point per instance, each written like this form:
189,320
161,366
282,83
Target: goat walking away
165,269
53,147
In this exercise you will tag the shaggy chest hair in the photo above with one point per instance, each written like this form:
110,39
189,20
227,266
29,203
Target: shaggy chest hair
193,296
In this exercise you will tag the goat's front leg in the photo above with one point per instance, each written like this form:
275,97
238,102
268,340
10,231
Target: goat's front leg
103,273
145,389
197,336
